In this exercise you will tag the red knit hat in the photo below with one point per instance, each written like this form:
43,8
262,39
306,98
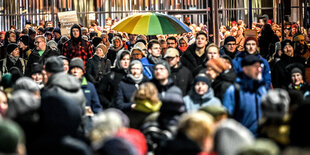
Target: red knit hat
295,26
136,138
250,38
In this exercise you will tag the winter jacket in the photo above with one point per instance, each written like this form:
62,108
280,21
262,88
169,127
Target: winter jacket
67,85
248,110
180,145
126,89
223,51
222,82
6,64
182,78
163,89
148,68
96,68
193,101
77,47
35,57
266,73
108,86
91,96
190,60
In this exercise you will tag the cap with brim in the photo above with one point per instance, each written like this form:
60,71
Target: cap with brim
171,52
250,60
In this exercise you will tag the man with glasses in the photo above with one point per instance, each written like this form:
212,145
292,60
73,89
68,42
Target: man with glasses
180,74
40,53
229,47
244,103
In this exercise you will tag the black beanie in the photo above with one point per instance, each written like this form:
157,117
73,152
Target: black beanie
54,64
202,78
24,39
96,41
11,47
36,68
57,29
228,39
31,31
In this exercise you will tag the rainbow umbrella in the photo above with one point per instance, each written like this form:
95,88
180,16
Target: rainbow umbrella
151,24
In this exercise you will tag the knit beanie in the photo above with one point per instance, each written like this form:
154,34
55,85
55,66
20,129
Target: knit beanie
217,64
250,38
11,47
57,29
77,62
134,62
286,42
36,68
275,103
296,70
103,48
54,64
10,136
228,39
26,83
96,41
202,78
166,64
31,31
24,39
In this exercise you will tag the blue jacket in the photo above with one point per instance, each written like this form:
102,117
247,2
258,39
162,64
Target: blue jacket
249,111
148,68
266,73
91,96
194,102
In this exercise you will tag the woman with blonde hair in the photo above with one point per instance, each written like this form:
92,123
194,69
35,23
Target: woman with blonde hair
146,102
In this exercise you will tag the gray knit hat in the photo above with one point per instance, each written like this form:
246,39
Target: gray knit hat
54,64
26,83
275,103
77,62
134,62
166,64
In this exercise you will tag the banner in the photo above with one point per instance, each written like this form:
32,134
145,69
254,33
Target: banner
67,20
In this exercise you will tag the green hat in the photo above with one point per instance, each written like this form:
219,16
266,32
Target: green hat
10,136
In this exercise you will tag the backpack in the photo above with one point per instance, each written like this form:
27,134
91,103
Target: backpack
5,69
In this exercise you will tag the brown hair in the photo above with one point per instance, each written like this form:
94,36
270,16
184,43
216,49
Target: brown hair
147,91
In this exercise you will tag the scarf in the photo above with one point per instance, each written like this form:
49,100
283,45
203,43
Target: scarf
154,60
136,80
13,59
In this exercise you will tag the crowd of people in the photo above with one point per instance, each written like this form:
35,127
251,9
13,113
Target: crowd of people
98,91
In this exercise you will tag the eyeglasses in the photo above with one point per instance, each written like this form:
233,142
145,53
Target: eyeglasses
38,42
170,43
182,43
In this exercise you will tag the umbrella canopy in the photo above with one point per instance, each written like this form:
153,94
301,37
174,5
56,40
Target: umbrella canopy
151,24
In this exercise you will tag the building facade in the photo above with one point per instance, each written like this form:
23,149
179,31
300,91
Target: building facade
17,12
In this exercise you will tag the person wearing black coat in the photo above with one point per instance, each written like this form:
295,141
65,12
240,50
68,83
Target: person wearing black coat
129,84
12,60
40,53
281,77
109,83
180,74
98,65
223,75
196,54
